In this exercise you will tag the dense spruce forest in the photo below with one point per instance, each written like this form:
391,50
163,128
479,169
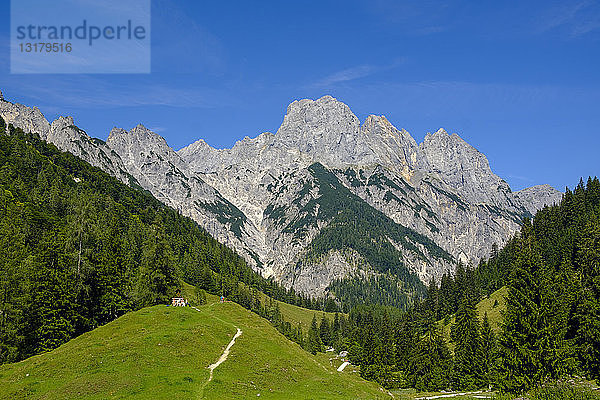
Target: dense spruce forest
551,326
78,249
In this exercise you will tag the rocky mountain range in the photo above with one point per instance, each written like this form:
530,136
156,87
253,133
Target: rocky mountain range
326,200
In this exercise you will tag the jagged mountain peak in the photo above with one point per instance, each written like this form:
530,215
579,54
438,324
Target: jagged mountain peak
442,145
379,124
141,146
263,138
142,131
115,132
536,197
139,134
198,153
61,122
325,130
464,168
429,135
394,148
140,127
381,121
310,119
30,119
324,101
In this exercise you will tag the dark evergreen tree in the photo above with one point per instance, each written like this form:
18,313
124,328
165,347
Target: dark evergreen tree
430,366
587,317
468,359
158,277
314,343
330,305
52,307
325,331
532,344
488,351
336,327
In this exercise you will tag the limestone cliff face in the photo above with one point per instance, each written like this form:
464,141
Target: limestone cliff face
443,188
536,197
266,198
160,170
26,118
464,169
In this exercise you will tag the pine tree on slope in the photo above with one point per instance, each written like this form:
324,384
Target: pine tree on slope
533,346
488,350
468,358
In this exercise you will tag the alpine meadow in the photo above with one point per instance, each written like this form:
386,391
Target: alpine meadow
218,208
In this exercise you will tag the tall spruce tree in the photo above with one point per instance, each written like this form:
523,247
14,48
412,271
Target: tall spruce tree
158,276
325,331
488,351
431,363
314,343
468,358
588,313
13,279
51,311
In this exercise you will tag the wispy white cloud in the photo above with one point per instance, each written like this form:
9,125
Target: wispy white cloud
520,178
157,129
348,74
353,73
576,18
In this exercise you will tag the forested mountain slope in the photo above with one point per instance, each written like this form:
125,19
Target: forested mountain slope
551,270
78,249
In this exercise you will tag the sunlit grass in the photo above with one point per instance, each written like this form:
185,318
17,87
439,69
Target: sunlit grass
163,353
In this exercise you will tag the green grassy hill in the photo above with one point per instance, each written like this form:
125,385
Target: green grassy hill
163,353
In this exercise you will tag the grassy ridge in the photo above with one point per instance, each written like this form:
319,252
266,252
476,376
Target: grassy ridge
162,353
276,368
291,313
297,315
145,354
494,305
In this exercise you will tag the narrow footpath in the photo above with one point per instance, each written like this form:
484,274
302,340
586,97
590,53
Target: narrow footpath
479,394
221,359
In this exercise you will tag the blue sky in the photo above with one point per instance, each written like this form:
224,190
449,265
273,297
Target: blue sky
520,81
